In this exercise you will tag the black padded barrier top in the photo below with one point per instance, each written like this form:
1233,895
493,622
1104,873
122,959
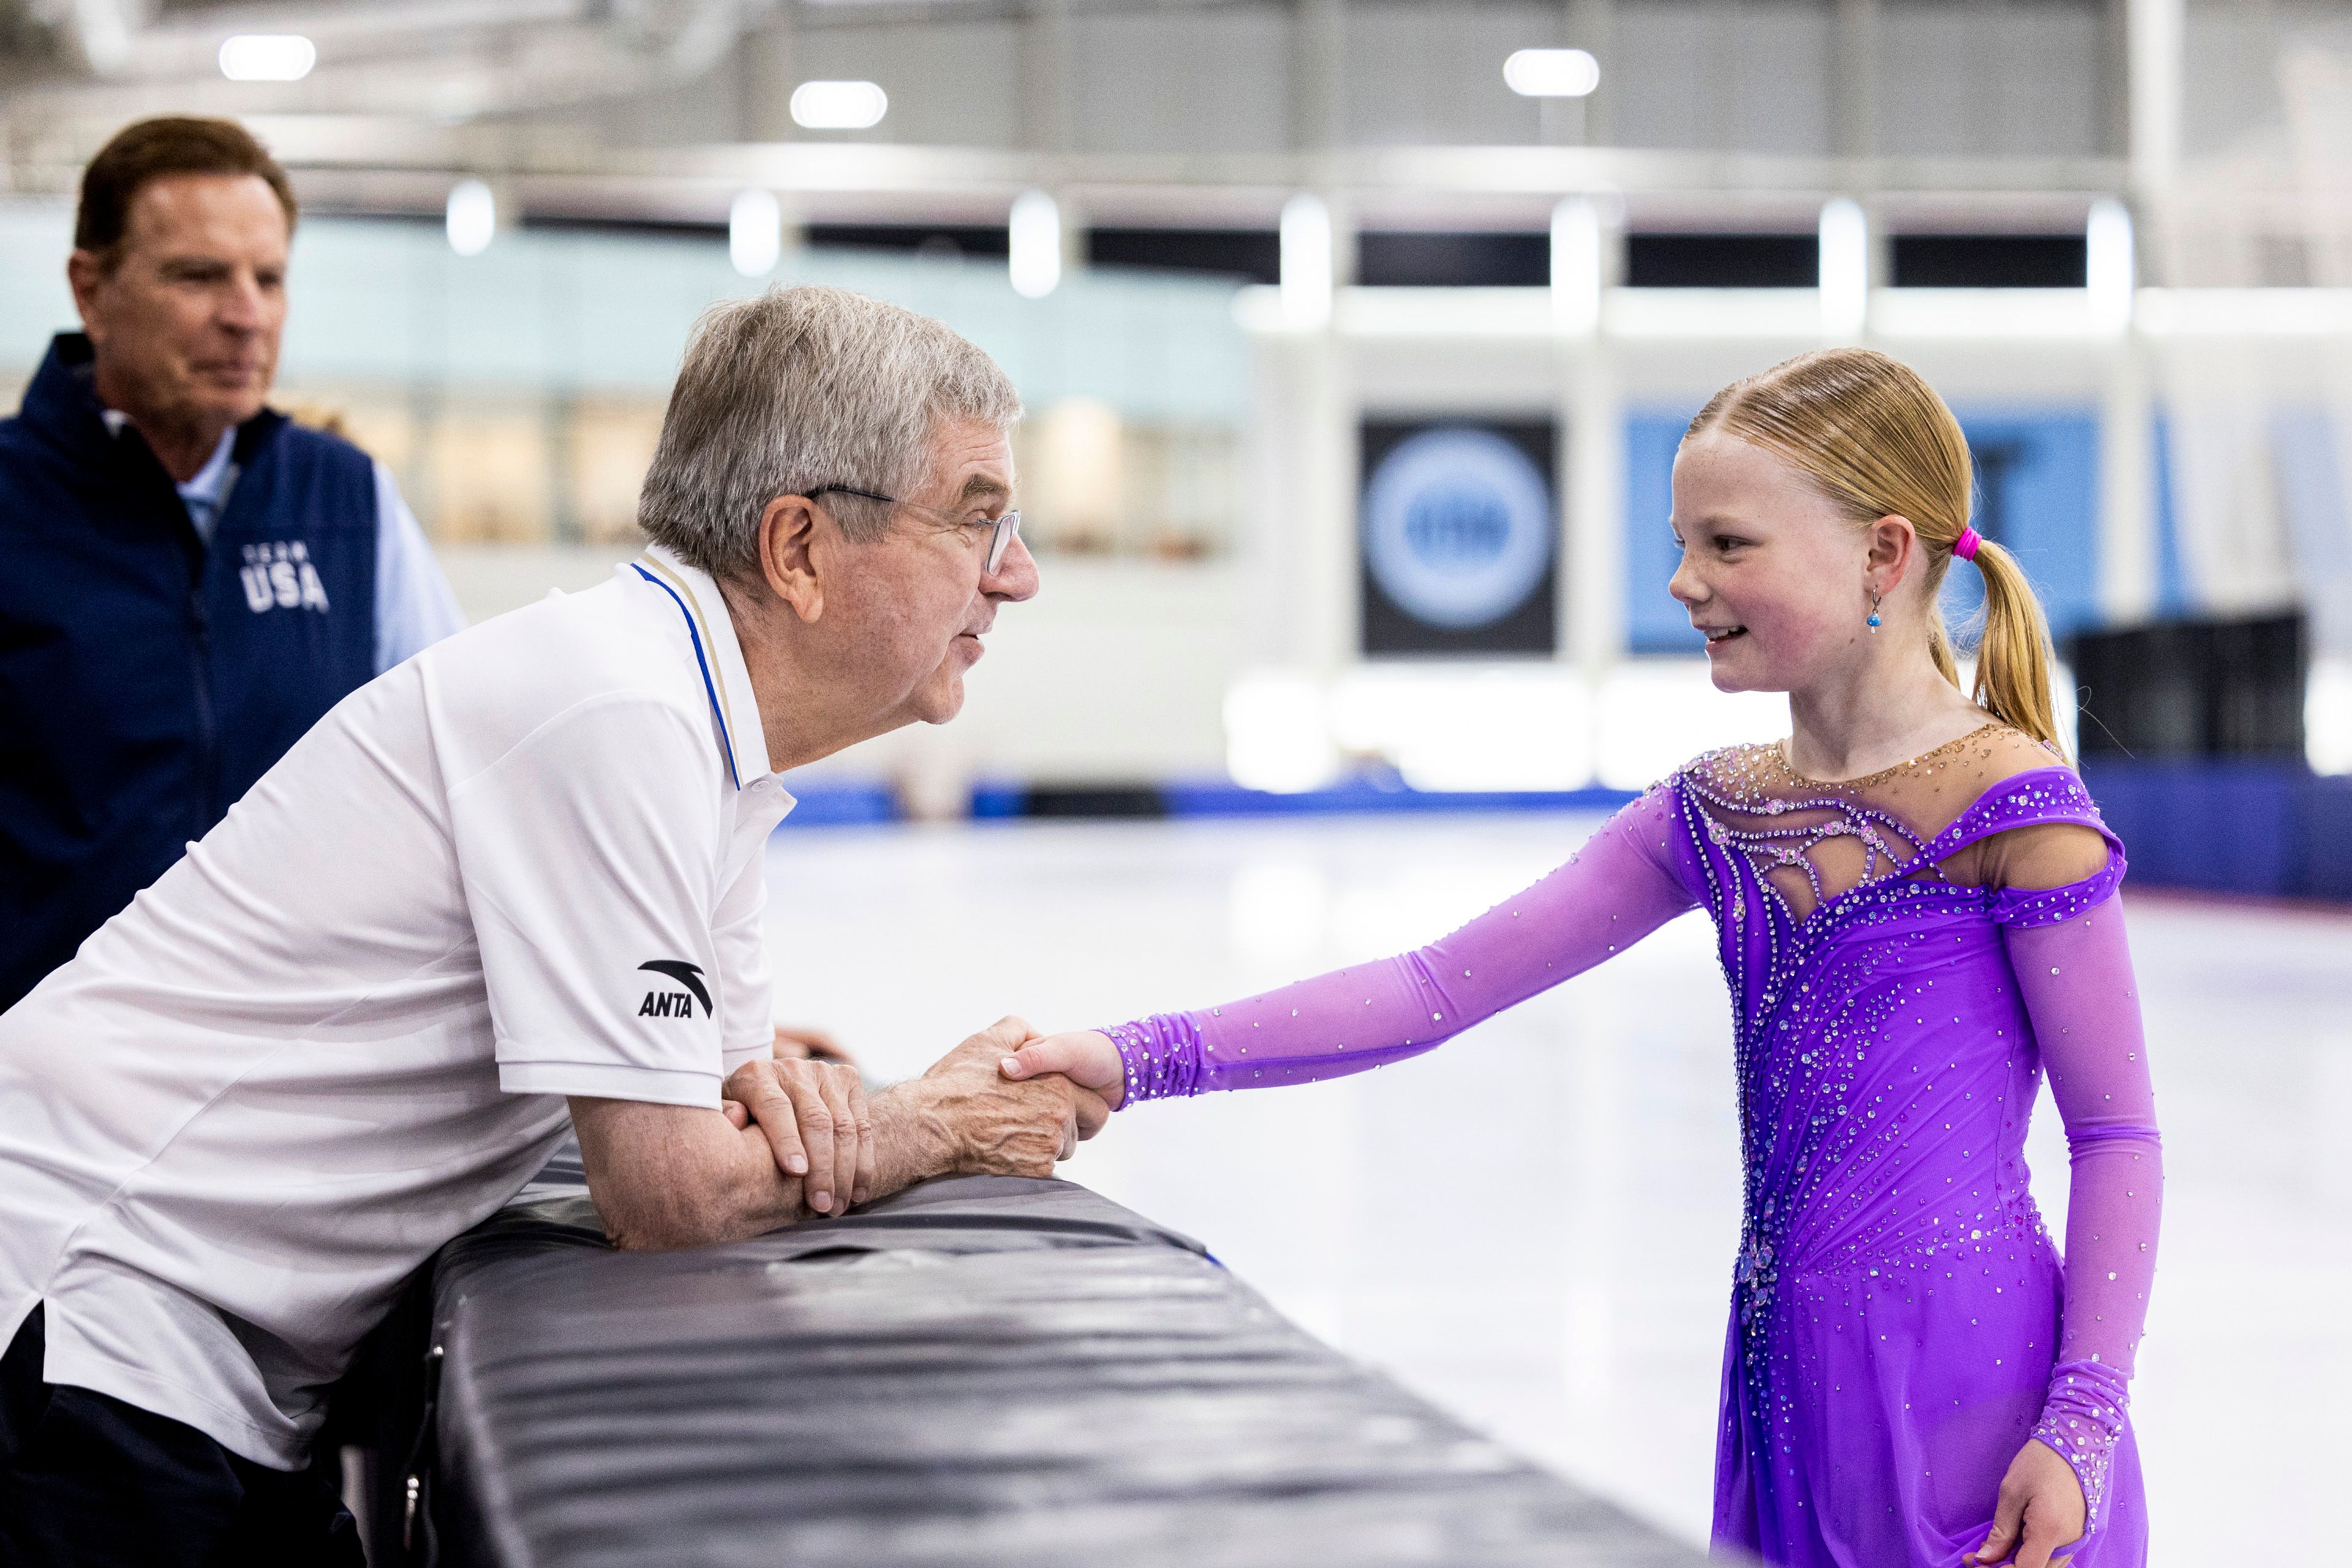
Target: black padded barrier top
978,1370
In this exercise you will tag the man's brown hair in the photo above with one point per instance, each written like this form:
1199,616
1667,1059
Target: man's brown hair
154,149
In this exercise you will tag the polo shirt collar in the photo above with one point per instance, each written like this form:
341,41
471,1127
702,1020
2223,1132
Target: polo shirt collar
726,680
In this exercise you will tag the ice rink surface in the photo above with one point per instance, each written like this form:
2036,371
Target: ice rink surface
1534,1225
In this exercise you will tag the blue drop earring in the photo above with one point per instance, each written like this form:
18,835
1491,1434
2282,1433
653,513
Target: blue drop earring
1874,622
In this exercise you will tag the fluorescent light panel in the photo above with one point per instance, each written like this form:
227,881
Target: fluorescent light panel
755,233
1551,73
839,105
1034,245
2109,272
472,218
268,56
1306,262
1576,265
1845,268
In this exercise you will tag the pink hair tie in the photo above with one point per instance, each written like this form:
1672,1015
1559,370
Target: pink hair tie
1965,546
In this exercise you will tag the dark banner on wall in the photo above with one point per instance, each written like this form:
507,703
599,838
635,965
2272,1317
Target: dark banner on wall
1458,530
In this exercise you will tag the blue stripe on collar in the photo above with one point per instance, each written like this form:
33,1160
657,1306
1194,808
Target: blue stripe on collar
726,742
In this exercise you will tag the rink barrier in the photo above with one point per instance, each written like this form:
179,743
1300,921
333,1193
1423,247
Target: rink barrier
1000,799
989,1371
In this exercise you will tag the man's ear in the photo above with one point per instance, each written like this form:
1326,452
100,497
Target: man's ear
85,271
789,527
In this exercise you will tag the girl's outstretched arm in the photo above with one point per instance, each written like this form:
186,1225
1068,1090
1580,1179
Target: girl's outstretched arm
2074,974
1622,885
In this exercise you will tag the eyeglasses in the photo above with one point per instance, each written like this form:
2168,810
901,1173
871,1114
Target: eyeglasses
1007,525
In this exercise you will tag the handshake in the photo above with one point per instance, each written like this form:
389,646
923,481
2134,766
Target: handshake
1007,1102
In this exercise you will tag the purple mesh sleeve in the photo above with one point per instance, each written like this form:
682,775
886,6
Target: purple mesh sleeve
1625,882
2074,975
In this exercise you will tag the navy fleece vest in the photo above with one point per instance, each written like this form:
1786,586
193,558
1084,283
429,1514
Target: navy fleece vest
146,681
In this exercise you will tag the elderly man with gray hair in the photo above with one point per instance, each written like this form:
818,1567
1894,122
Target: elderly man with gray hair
511,885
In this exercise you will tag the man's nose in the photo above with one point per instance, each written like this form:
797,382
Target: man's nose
241,307
1015,577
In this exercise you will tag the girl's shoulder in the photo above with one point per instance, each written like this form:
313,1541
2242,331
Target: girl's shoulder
1738,772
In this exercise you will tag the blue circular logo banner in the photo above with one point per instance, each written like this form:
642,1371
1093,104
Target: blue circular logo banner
1458,527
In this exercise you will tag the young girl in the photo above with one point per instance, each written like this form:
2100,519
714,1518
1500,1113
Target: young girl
1915,905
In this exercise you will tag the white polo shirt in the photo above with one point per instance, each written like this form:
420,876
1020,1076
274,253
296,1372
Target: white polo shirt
523,865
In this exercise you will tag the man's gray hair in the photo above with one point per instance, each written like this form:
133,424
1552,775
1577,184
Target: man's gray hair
797,389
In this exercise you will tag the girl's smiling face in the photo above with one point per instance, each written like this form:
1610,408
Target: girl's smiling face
1774,574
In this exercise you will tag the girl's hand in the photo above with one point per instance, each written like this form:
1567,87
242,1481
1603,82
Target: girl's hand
1084,1057
2041,1507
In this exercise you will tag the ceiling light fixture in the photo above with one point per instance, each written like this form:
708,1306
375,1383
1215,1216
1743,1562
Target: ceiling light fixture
473,217
2109,273
1551,73
1034,245
755,233
268,56
839,105
1306,262
1844,268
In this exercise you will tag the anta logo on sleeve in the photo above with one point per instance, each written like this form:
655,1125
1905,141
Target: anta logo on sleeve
278,576
675,1004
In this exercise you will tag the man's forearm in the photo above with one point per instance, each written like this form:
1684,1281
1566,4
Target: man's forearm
912,1141
704,1181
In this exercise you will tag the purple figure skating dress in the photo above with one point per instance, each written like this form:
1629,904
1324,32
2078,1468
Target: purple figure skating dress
1907,953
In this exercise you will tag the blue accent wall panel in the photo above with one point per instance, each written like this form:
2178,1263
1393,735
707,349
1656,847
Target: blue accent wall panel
2038,495
2038,476
1654,622
2171,566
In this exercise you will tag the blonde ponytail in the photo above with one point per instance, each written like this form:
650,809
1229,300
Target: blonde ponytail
1873,435
2014,660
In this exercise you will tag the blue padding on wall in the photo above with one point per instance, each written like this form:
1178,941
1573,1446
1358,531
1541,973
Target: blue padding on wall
994,800
2324,847
846,803
1218,798
2260,827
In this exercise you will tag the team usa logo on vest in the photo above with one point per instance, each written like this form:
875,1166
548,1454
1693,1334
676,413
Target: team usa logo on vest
675,1004
278,576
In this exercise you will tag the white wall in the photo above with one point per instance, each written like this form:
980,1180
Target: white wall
1116,672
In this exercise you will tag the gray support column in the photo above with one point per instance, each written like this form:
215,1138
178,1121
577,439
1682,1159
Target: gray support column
1593,445
1592,27
1298,551
1318,78
1048,65
1853,79
1326,638
2127,579
1592,487
2154,29
2114,127
1048,117
2154,63
2127,564
767,72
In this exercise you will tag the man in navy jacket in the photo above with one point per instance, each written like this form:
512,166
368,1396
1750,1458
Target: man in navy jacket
193,580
